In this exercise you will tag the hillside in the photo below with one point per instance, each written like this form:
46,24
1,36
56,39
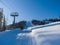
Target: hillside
48,34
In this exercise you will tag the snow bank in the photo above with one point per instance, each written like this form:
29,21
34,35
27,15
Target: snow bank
48,35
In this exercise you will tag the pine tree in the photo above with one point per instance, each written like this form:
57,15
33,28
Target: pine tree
4,24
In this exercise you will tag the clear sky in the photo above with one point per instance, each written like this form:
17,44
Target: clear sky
31,9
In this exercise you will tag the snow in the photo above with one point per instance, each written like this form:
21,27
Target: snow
48,34
40,26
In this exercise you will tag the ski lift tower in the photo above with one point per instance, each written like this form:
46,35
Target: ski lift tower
14,15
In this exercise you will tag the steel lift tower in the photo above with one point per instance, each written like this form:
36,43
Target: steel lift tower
14,15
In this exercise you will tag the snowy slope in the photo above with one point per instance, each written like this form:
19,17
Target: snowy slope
41,26
48,34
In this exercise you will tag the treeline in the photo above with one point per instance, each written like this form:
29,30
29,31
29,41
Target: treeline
24,24
46,21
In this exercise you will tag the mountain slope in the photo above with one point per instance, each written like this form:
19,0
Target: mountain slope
48,34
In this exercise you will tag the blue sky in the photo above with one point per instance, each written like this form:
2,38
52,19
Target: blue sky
30,9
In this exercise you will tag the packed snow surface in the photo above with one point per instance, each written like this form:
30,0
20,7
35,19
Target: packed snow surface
48,34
